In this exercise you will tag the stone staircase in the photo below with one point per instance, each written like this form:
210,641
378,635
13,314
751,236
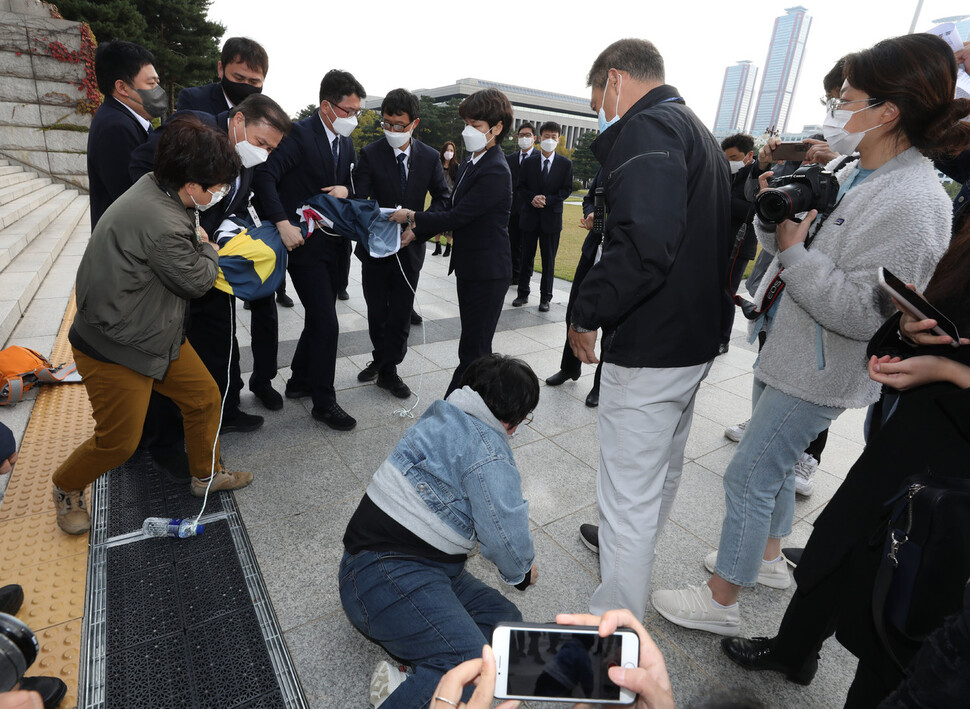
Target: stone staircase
38,218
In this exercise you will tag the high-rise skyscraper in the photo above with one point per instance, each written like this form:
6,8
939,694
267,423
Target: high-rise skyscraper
781,70
736,93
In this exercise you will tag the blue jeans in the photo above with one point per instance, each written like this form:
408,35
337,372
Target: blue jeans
428,614
759,483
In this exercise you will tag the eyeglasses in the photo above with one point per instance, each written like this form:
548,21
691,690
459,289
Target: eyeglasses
836,104
349,111
395,127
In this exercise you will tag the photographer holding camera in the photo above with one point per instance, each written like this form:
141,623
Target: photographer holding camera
890,210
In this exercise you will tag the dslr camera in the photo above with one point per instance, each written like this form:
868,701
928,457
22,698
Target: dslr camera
809,187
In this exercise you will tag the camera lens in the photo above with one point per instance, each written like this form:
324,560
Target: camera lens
773,206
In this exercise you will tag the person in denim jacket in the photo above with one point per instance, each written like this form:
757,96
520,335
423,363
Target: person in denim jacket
450,483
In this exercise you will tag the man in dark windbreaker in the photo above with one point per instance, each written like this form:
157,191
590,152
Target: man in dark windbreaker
656,293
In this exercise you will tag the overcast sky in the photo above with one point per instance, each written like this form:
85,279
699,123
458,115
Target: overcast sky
426,43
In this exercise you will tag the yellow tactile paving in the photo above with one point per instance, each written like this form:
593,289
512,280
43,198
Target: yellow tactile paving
50,565
53,592
60,654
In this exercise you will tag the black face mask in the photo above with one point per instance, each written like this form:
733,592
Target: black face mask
237,92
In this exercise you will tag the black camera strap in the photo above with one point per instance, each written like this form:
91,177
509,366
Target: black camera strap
777,285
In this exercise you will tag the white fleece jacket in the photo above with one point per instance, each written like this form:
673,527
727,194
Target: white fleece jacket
900,218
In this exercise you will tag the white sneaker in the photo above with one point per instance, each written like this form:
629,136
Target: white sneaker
736,431
693,607
386,678
773,574
805,475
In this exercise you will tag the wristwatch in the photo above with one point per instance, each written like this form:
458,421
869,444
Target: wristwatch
410,219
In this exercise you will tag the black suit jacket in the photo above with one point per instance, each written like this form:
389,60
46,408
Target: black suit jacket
299,168
209,98
378,177
479,219
235,204
114,135
513,160
556,188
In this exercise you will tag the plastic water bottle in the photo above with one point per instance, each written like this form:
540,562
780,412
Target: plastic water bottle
160,527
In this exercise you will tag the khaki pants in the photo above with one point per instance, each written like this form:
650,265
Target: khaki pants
119,399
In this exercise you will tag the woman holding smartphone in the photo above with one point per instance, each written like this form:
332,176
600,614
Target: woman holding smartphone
479,222
897,103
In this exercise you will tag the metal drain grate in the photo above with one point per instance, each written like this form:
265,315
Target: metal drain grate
176,622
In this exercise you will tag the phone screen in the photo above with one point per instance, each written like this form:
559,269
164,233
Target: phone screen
564,665
919,306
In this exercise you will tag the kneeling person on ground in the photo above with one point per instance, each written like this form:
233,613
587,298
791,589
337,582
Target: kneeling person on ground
449,484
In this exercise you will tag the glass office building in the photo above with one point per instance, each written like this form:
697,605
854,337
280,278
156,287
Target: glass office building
736,94
781,71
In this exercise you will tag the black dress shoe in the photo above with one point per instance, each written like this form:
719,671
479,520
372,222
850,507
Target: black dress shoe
284,300
544,306
246,305
589,534
723,347
296,391
335,417
415,318
561,376
343,295
268,396
241,422
520,301
394,384
50,689
593,398
368,373
756,654
11,598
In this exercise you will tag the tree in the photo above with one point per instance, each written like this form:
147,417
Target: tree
368,129
184,42
306,112
109,19
440,123
584,164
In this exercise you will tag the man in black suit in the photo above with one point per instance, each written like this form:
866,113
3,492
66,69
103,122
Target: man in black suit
545,181
255,127
127,78
396,170
316,157
526,139
242,69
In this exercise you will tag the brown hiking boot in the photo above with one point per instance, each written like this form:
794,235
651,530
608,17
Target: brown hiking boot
72,511
224,480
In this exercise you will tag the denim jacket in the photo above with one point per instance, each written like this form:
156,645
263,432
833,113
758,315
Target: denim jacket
452,481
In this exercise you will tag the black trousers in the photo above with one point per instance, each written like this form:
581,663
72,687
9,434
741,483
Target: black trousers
587,257
343,273
316,274
548,244
264,327
515,243
479,307
389,301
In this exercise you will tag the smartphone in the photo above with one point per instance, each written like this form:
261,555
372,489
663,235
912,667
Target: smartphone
599,211
917,306
562,663
790,151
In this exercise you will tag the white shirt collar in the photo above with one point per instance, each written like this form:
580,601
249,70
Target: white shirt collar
552,156
406,152
146,124
528,153
476,158
330,134
228,102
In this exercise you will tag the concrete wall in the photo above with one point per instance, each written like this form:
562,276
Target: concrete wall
39,126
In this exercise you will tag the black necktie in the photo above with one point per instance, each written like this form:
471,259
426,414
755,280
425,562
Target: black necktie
521,157
336,152
404,174
545,169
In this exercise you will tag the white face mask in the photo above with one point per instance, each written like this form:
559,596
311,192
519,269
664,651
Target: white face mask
251,155
343,126
397,140
735,165
835,134
525,142
603,123
549,144
474,139
449,154
216,198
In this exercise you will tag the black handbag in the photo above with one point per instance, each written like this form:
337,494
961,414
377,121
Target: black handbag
926,558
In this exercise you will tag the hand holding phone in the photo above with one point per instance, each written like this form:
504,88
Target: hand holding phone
790,151
911,302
